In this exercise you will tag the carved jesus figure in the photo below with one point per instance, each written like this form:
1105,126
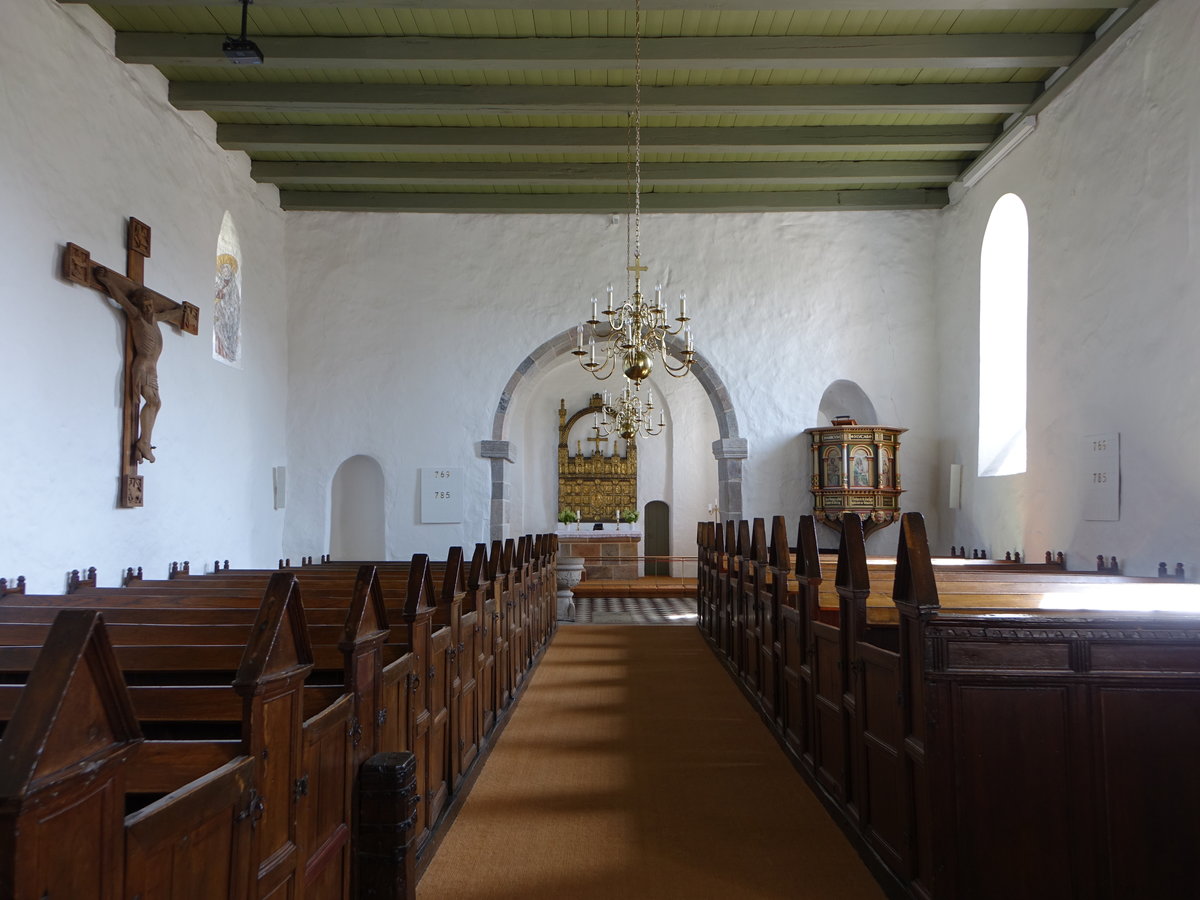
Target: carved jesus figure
145,310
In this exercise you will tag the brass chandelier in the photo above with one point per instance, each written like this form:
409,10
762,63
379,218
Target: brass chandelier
626,415
635,332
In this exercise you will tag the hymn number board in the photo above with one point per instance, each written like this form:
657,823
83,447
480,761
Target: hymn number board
1102,477
441,495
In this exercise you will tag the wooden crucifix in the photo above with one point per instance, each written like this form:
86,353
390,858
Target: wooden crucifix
144,309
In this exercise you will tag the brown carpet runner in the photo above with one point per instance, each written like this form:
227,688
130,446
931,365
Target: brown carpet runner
633,768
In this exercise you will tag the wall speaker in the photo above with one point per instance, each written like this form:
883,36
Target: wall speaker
955,486
279,478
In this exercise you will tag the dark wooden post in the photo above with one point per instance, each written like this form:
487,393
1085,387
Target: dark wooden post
853,588
387,815
363,636
922,703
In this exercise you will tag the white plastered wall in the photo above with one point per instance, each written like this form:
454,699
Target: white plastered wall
88,140
1111,179
405,328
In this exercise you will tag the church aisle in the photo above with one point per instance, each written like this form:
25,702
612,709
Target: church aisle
633,768
634,611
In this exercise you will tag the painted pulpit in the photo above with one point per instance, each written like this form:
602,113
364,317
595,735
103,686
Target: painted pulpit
855,468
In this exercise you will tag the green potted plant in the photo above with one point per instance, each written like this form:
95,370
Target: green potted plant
629,516
567,516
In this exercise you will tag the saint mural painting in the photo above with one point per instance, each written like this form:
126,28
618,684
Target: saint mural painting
227,297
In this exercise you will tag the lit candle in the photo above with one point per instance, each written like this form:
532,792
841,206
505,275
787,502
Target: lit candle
682,305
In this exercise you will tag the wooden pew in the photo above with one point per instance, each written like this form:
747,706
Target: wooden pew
69,748
287,843
177,640
466,635
413,689
910,729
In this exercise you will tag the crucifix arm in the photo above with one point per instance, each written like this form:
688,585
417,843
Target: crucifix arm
119,288
169,311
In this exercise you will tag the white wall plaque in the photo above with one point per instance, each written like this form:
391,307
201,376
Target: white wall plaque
441,495
1102,477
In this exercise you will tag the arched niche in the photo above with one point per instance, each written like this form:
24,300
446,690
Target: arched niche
846,398
356,526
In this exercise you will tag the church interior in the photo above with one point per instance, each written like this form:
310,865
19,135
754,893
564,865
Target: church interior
970,227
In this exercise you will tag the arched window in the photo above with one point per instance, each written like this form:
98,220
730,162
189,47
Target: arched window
1003,327
227,299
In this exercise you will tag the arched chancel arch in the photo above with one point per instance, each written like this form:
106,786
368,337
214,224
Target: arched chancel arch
729,450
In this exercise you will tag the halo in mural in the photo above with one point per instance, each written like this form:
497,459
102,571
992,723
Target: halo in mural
227,299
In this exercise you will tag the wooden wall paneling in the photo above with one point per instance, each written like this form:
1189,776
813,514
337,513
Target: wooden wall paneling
195,842
323,793
1148,792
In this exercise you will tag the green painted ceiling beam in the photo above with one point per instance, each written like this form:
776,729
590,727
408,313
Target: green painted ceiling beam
569,100
686,5
608,174
947,51
752,201
776,139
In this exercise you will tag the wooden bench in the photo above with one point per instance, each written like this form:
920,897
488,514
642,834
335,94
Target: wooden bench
412,680
292,837
1046,719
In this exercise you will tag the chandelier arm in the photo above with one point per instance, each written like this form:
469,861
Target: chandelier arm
678,329
678,371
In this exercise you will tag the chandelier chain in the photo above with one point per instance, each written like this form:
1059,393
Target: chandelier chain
637,128
627,336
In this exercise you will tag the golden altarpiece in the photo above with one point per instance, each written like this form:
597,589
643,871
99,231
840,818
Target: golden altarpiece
596,485
855,468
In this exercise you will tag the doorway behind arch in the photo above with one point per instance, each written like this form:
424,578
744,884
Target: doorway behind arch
657,537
